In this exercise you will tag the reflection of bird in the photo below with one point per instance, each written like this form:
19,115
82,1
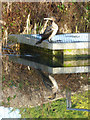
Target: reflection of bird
50,83
53,96
54,87
50,31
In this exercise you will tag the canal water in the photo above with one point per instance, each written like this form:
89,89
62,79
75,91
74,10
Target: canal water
25,81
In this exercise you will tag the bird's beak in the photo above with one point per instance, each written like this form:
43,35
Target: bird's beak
47,19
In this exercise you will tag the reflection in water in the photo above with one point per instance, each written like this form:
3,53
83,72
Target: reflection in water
50,83
59,58
23,87
30,84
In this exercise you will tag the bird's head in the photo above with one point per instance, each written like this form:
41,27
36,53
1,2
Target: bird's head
51,18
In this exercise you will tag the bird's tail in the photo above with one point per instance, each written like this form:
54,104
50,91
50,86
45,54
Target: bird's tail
38,42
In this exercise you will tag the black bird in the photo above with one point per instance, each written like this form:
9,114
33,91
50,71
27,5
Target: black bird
50,31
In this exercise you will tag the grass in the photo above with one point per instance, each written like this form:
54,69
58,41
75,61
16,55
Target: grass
57,109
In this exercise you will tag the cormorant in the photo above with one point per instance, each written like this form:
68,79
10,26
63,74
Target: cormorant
50,31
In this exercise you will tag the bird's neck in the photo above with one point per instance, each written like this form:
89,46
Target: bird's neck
55,26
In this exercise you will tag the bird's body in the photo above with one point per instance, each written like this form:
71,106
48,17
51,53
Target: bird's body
49,32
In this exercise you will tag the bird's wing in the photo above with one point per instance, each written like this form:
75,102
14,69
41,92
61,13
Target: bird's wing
47,33
48,30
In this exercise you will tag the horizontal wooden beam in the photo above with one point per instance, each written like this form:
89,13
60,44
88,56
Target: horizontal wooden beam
31,40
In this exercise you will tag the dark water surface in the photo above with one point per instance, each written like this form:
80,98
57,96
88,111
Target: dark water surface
25,86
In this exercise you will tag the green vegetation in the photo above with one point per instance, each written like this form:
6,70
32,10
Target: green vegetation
71,17
57,109
66,13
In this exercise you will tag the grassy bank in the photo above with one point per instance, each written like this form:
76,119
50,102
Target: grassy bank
57,109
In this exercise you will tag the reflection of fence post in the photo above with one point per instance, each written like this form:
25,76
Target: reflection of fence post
68,97
68,102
